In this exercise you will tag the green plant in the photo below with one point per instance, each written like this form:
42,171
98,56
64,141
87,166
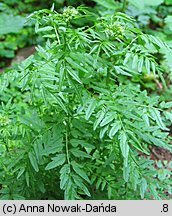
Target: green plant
153,17
74,125
15,32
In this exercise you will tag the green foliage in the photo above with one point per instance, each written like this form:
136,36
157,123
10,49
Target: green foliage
10,27
74,125
154,18
15,32
10,24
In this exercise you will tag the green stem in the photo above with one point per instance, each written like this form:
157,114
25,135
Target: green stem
57,35
108,77
67,140
67,149
124,5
